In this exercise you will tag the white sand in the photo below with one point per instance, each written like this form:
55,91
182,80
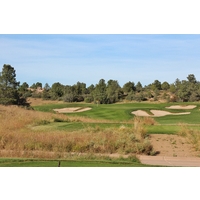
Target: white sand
83,109
160,113
156,113
71,110
182,107
141,113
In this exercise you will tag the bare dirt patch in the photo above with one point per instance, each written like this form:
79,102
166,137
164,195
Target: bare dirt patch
156,113
172,145
188,107
71,110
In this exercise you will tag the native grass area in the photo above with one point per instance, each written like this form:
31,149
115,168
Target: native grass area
109,134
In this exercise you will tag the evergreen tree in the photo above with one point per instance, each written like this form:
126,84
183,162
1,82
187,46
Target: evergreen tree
46,94
138,87
99,94
129,87
23,90
112,91
8,86
165,85
57,90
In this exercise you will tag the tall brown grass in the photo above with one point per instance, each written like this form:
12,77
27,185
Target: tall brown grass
17,139
192,136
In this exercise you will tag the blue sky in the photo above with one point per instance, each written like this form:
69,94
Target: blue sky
88,58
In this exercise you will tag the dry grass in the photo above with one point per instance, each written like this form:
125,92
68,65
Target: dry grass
139,123
144,120
39,101
192,136
18,140
15,118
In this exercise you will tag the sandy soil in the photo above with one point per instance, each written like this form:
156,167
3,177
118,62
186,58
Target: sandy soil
141,113
182,107
170,161
83,109
71,110
156,113
172,145
160,113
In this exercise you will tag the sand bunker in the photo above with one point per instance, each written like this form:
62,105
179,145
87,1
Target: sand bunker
182,107
156,113
141,113
161,113
71,110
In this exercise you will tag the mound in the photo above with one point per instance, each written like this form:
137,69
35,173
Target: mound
71,110
182,107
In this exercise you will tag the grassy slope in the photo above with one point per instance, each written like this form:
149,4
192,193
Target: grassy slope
121,113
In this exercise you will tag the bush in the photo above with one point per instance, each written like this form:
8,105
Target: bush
58,120
192,136
89,99
42,122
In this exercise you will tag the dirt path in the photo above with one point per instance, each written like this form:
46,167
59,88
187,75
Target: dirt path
170,161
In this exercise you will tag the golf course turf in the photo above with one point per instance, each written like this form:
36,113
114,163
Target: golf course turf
120,114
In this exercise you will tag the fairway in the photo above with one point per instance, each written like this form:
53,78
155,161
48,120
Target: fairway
120,114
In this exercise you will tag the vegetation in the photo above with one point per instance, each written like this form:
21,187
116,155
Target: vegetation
101,93
193,136
108,128
49,135
9,87
73,161
22,140
121,112
111,92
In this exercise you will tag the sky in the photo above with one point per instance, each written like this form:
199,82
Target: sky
69,58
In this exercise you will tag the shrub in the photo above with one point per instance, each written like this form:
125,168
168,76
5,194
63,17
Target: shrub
42,122
89,99
192,136
134,158
139,129
58,120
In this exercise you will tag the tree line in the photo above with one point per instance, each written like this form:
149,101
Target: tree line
12,92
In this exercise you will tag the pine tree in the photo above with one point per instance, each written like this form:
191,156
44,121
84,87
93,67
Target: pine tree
8,86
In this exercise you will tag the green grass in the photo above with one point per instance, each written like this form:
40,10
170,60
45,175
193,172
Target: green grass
10,162
120,113
73,126
155,129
